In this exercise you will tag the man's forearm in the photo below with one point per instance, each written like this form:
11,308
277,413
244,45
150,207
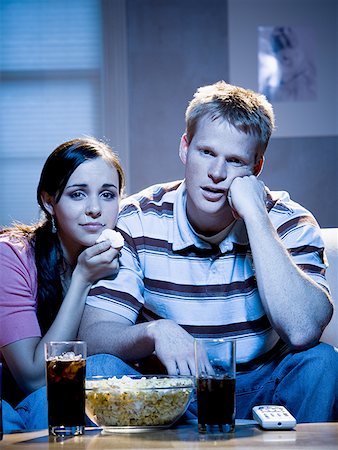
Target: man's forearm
297,307
106,332
128,342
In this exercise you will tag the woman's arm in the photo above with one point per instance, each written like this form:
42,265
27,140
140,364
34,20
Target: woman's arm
25,357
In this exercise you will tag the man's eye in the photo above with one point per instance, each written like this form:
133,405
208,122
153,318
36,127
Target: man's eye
235,161
205,151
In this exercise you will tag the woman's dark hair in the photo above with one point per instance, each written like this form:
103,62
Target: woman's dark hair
55,174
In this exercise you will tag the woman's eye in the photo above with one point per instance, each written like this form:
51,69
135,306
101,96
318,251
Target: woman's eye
108,195
77,195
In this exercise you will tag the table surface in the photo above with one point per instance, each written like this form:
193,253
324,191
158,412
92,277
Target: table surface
248,436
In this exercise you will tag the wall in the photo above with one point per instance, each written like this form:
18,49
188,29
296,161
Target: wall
297,118
175,46
307,169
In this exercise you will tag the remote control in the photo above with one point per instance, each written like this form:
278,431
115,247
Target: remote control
273,417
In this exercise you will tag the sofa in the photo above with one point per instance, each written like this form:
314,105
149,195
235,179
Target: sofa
330,236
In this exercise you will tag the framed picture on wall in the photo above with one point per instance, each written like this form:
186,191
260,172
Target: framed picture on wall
286,63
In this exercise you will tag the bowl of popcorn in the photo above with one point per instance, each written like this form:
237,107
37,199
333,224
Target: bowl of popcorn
137,403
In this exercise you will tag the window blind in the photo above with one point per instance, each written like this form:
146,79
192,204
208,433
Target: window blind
50,90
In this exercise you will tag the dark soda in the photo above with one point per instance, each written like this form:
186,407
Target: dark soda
66,392
216,401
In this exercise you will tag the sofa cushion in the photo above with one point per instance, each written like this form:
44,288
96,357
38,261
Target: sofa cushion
330,236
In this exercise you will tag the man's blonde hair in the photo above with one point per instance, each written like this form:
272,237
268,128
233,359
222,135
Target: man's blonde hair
244,109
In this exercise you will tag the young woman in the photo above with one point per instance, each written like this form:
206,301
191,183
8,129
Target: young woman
47,269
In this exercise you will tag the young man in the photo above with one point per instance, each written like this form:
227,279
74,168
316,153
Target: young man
218,254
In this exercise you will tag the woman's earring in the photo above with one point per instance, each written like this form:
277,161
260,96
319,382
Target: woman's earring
54,229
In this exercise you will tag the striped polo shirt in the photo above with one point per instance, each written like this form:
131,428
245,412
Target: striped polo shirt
167,271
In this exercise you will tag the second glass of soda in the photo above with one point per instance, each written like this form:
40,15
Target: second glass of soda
215,361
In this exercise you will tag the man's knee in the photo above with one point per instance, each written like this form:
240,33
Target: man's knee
322,357
311,366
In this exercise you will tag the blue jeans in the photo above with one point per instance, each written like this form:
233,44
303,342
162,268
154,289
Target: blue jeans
305,382
31,413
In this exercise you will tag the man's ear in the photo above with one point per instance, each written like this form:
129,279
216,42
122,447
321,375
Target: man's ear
48,202
258,167
184,148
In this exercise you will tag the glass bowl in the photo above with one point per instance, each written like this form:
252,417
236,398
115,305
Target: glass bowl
137,403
